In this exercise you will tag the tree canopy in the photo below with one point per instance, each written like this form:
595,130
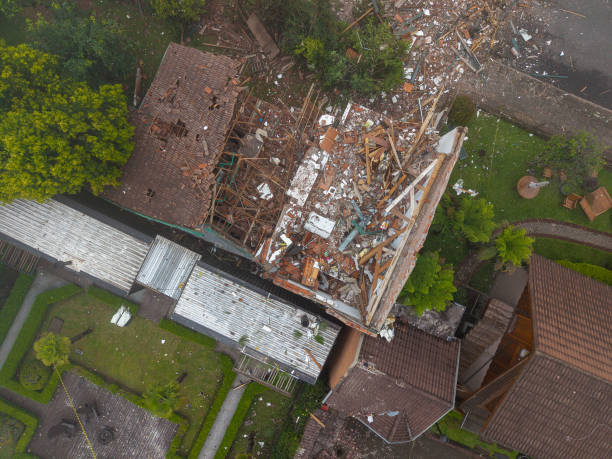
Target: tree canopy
474,219
91,50
57,135
9,8
430,286
513,247
180,11
52,350
162,399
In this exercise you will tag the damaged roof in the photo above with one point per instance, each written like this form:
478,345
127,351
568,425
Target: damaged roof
217,304
181,127
399,389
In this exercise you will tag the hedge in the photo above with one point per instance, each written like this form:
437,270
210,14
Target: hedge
252,390
112,300
29,421
25,340
188,334
138,401
13,303
227,366
598,273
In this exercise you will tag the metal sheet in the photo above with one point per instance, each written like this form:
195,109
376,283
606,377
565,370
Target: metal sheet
249,318
167,267
68,235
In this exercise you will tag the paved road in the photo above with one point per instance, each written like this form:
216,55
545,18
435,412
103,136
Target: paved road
215,436
43,282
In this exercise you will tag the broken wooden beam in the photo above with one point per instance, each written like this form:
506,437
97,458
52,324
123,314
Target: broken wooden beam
312,357
317,420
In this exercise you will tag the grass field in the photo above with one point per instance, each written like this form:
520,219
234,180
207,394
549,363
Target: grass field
140,354
263,421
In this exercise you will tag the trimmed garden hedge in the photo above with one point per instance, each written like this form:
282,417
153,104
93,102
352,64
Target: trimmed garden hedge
252,390
111,299
188,334
598,273
25,340
29,421
13,303
227,366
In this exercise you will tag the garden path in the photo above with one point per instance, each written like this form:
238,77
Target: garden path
226,413
44,281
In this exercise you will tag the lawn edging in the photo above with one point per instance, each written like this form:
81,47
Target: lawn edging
227,366
13,303
111,299
29,421
25,340
251,391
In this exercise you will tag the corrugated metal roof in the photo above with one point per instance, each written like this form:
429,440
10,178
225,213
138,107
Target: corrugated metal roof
234,311
167,267
66,234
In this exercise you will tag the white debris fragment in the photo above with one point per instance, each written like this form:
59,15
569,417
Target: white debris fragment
562,54
326,120
163,341
525,35
370,418
265,192
426,12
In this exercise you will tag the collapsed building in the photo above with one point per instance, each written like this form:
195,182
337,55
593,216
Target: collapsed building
332,205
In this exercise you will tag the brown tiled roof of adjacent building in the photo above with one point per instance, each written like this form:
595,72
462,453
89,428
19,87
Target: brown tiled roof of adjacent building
572,317
559,403
554,411
399,389
180,130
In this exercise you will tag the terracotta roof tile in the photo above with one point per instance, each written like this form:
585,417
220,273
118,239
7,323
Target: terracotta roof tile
414,375
572,317
180,130
554,411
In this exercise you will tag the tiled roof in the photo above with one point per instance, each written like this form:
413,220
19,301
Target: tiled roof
180,130
400,389
554,411
572,317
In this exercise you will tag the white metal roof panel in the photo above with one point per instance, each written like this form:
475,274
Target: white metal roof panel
234,311
65,234
167,267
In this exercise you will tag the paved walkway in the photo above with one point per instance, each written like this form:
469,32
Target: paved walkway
217,432
43,281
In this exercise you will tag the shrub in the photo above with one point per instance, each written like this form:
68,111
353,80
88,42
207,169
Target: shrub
593,271
161,399
13,303
29,421
473,217
462,111
52,350
33,375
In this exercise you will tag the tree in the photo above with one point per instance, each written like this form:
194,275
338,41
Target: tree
52,350
92,50
162,399
57,135
513,247
430,286
474,219
179,11
10,8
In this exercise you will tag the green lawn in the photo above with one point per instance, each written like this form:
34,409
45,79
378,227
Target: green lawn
140,354
498,152
449,425
264,419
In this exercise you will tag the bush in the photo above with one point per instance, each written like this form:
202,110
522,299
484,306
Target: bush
25,340
252,390
593,271
13,303
462,111
112,300
29,421
186,333
33,375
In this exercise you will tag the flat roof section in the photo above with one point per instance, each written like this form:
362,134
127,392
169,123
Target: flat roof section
255,322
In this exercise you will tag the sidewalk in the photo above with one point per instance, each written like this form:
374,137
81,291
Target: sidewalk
43,282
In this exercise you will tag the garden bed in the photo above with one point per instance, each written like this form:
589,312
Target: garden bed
16,430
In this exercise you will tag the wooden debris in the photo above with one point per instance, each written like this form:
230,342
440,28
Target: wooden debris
312,357
317,420
356,21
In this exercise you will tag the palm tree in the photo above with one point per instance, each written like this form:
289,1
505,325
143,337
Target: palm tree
52,350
